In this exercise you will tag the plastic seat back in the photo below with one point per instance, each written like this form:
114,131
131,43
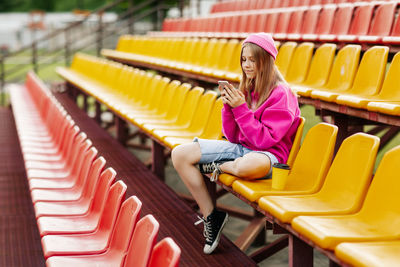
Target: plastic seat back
167,98
199,54
361,19
371,71
85,166
125,225
313,159
383,19
93,178
321,65
296,142
381,204
390,88
223,63
165,253
296,21
251,23
178,102
284,56
142,242
213,129
189,107
270,20
282,22
202,112
300,62
218,50
115,197
106,179
344,68
158,95
76,153
208,54
342,19
310,20
350,174
234,62
325,20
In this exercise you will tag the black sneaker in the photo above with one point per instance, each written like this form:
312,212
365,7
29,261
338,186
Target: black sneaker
212,229
212,167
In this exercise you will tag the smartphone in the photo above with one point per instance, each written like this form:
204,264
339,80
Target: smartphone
223,83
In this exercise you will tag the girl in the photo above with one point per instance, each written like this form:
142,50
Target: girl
259,120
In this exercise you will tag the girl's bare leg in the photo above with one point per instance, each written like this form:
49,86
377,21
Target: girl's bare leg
251,166
184,159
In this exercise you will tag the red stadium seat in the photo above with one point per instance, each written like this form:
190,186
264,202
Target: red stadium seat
360,23
118,231
381,23
90,198
87,223
165,253
118,242
71,193
142,242
341,23
324,23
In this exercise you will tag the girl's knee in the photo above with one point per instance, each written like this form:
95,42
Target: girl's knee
185,153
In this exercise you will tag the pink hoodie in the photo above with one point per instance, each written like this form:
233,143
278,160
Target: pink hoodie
271,127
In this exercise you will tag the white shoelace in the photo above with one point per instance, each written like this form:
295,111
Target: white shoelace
206,229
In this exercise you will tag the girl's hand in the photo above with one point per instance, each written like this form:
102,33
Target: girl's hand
232,96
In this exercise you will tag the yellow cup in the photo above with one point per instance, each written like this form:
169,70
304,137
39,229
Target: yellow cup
279,175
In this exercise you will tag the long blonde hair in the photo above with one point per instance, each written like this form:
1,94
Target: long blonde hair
266,78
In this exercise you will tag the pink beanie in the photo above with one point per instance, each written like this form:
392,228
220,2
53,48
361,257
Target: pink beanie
263,40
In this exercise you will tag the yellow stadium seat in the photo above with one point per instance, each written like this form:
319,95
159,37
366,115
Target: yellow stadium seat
389,93
206,57
369,76
234,71
319,70
370,254
212,130
308,170
197,122
344,188
300,62
342,75
226,58
369,82
185,113
378,219
218,54
284,57
198,55
173,108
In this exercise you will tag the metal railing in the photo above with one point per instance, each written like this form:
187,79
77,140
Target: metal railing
76,39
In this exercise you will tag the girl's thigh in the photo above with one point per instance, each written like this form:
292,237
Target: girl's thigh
257,164
218,150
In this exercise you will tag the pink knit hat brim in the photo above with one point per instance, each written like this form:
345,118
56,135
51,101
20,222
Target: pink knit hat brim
263,40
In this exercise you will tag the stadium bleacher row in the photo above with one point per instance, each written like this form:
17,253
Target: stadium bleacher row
242,5
367,23
340,77
79,207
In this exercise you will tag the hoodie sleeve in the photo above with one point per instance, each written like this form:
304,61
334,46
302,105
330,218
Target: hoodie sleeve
229,125
273,124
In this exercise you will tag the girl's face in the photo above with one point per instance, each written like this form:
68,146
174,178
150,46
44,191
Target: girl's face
248,63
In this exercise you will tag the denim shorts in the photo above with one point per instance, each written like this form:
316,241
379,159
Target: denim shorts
220,150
